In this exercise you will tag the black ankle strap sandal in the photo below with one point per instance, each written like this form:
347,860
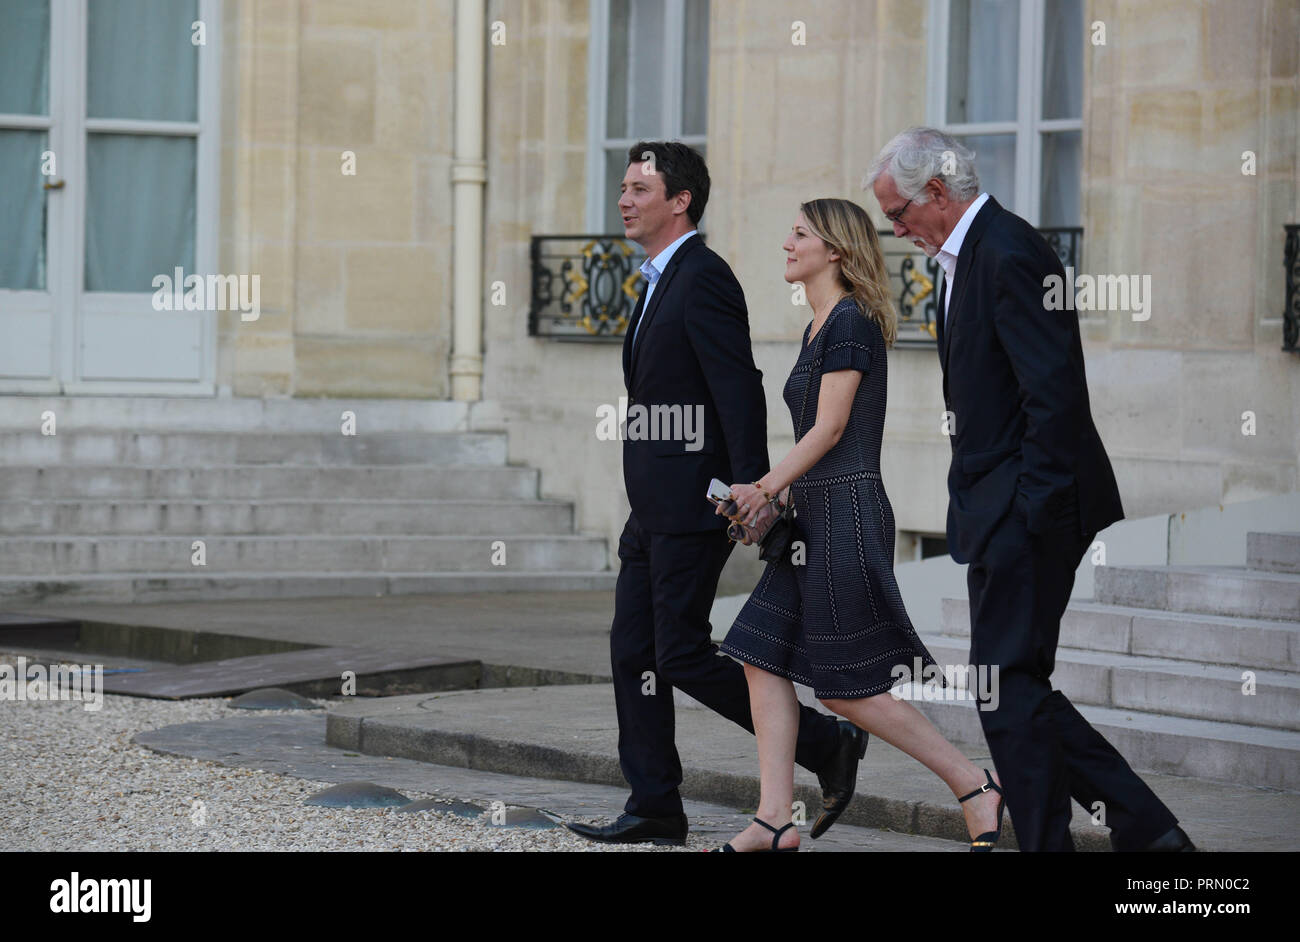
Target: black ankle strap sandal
984,843
776,840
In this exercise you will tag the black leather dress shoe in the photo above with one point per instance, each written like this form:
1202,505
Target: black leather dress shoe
630,829
1173,841
839,779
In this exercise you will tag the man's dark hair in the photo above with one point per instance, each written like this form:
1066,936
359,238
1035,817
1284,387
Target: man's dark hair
681,167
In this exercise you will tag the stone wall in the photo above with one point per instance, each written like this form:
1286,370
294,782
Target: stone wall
537,156
355,269
765,156
792,122
1175,97
1171,101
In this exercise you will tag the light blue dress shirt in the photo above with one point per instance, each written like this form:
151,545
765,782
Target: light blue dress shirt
652,268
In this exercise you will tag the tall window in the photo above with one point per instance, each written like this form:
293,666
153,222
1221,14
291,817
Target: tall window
648,81
142,133
1007,79
24,137
109,154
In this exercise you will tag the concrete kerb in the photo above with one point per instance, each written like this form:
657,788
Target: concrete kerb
371,736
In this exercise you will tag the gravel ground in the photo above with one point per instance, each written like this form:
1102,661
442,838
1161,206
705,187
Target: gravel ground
74,781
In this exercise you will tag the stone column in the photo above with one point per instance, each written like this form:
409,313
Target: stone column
468,176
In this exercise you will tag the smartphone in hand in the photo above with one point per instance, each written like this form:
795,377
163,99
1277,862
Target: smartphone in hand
720,495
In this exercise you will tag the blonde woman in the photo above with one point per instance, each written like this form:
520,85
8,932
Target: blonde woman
836,621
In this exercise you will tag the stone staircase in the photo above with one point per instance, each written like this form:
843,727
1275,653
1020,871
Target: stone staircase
285,505
1159,662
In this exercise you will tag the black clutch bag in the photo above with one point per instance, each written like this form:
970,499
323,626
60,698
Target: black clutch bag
776,542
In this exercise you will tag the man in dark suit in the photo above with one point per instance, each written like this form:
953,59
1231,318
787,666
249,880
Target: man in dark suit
1029,487
687,348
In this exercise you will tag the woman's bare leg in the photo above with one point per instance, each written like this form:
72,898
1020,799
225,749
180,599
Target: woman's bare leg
776,726
902,725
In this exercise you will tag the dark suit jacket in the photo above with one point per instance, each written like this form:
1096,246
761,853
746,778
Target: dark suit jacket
693,350
1013,377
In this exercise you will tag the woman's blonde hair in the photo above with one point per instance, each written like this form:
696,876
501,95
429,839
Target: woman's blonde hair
846,229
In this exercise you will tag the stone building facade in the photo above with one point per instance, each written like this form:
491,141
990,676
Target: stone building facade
1183,166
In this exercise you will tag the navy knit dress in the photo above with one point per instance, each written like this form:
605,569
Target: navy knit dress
836,623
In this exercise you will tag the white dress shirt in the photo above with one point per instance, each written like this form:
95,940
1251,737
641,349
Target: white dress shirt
652,268
947,255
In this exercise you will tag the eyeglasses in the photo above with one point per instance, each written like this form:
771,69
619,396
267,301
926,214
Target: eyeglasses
898,216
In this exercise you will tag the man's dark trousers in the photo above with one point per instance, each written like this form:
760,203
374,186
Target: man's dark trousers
665,590
1045,751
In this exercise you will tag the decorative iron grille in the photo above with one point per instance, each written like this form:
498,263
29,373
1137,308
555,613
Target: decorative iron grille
916,279
585,286
1066,242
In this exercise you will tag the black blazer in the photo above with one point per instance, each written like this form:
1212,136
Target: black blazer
693,350
1013,377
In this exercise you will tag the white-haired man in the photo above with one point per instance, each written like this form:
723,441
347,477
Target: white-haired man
1029,487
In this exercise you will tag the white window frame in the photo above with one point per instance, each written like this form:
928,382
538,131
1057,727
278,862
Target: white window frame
599,190
68,127
206,132
1028,126
53,302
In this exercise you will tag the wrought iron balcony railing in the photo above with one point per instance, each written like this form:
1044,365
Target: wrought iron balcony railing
916,279
585,286
1291,313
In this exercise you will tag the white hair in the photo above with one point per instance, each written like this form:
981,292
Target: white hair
918,155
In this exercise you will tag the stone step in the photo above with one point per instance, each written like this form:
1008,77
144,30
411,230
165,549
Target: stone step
1210,590
571,733
144,587
60,518
268,481
66,556
1159,686
1275,552
243,413
1254,643
1224,752
330,447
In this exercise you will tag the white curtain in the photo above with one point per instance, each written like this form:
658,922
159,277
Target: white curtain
695,67
22,211
983,60
995,161
1063,44
139,209
1062,172
636,62
24,57
24,89
638,52
141,60
140,188
1063,59
983,77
